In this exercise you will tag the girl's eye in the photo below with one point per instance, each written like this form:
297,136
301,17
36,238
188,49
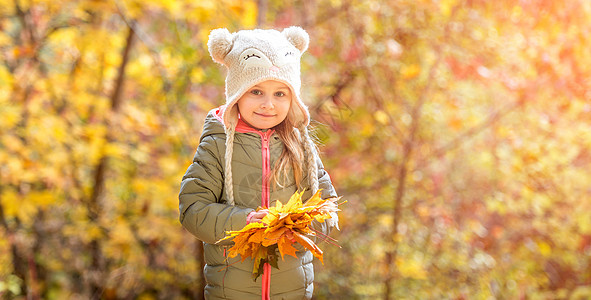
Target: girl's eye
256,92
279,94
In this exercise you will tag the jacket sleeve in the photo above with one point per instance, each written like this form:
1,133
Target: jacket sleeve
328,191
202,211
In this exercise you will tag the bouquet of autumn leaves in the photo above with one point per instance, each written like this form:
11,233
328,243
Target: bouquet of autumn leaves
279,229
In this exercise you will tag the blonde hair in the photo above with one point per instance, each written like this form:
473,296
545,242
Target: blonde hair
299,154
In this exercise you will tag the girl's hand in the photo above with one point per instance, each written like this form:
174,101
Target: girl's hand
257,216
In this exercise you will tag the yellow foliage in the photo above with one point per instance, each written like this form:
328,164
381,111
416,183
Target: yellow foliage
385,220
197,75
411,268
6,7
381,117
66,37
12,143
502,132
120,240
93,231
169,165
410,71
249,13
584,222
11,115
446,7
201,11
43,199
10,202
140,185
21,207
368,129
173,7
545,249
455,123
527,193
115,150
4,39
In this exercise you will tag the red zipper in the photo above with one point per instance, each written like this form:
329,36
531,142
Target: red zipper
265,195
266,157
266,282
266,169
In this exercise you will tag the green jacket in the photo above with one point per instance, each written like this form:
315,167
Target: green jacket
204,213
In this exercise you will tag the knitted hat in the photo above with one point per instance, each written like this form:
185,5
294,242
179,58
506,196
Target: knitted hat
254,56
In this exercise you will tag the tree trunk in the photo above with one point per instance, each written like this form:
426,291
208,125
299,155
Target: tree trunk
201,263
408,147
95,206
397,210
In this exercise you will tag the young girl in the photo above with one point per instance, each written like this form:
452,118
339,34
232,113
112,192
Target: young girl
253,151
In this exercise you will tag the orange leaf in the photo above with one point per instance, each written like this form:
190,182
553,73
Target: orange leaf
272,237
308,244
315,200
256,237
285,247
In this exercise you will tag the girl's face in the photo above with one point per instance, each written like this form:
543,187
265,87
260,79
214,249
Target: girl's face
265,105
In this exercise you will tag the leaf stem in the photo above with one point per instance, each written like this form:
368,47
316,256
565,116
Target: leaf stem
327,238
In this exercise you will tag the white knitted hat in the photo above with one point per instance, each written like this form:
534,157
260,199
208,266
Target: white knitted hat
254,56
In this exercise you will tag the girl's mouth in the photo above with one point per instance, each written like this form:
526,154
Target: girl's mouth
264,115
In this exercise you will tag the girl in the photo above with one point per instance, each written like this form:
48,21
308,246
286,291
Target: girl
254,150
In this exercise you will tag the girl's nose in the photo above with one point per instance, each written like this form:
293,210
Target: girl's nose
267,103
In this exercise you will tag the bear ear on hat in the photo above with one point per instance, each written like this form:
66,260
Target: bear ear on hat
219,44
298,37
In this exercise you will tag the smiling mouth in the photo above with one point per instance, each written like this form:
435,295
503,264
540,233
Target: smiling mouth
264,115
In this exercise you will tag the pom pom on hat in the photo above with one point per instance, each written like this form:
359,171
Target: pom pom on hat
298,37
219,44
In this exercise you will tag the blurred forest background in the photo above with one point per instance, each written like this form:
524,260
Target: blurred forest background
458,131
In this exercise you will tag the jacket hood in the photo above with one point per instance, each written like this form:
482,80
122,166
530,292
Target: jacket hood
213,123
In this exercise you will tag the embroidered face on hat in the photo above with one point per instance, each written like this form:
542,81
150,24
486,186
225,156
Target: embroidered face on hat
253,56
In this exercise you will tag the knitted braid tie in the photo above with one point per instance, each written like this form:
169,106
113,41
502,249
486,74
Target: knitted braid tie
228,156
310,155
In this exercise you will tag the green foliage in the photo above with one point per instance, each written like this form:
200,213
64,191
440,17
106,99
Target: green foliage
458,132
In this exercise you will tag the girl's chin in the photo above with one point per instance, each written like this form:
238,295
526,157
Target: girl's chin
260,124
264,126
